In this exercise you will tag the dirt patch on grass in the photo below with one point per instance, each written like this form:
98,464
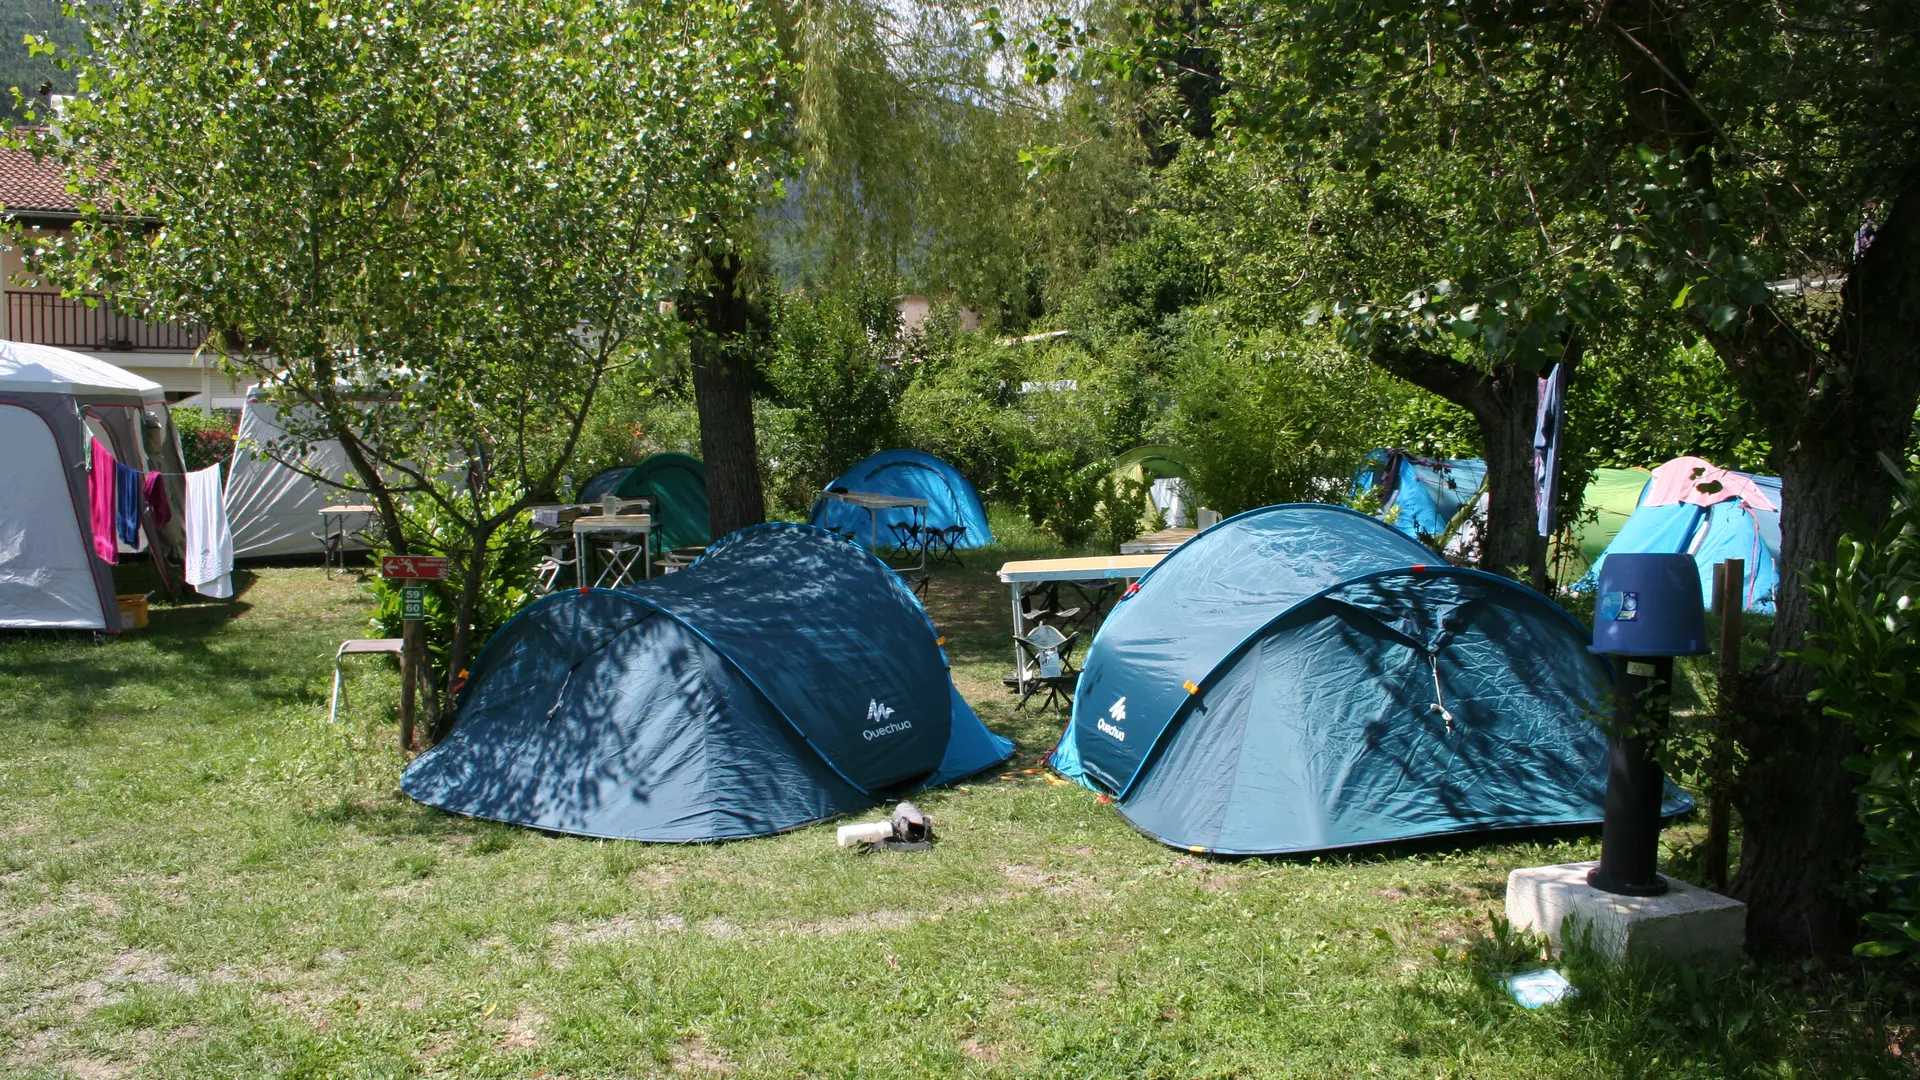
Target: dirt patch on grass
693,1056
525,1029
1213,877
1051,882
723,929
864,922
131,967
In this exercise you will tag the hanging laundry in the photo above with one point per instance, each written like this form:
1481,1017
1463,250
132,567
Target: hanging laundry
209,566
100,499
156,494
126,503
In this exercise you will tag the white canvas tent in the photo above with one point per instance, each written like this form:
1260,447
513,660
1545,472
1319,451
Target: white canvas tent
53,403
273,509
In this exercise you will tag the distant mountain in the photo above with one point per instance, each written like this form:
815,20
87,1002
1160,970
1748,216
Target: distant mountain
19,18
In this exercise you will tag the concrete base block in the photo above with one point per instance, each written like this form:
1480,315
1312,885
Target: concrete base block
1688,924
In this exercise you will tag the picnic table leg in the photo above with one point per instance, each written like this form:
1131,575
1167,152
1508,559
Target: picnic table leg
1019,661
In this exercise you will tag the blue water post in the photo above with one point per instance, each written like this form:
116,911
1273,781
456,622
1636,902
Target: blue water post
1648,612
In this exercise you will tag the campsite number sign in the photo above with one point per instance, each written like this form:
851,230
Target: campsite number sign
411,570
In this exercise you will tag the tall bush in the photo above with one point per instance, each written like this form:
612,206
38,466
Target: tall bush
1868,657
1273,416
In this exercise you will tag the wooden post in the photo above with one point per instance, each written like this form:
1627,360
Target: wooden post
409,672
1729,587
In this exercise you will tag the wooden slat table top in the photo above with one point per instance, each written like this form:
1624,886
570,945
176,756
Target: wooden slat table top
1085,569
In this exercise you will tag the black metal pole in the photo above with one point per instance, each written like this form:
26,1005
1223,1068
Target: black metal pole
1630,835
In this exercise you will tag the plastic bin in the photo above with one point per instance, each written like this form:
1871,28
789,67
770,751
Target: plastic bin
133,611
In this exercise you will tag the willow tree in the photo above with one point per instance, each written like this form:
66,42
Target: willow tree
1471,189
430,229
902,129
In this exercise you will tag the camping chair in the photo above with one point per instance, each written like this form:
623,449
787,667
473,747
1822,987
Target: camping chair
909,537
1051,653
559,556
623,561
940,544
358,647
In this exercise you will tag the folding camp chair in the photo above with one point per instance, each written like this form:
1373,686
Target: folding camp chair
940,544
1051,653
907,537
358,647
560,555
623,561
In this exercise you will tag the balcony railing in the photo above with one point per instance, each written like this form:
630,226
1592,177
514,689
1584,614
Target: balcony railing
71,323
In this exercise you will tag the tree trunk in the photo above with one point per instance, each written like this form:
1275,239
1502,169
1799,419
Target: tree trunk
722,320
1504,402
1506,410
1802,829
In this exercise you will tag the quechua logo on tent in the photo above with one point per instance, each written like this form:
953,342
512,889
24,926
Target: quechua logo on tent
877,714
1119,714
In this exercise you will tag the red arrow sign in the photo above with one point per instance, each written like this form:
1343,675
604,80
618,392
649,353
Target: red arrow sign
399,567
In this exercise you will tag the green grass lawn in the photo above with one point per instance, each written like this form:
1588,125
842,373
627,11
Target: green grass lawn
199,877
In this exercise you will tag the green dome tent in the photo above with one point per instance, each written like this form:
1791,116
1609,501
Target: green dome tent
676,483
1145,465
1612,496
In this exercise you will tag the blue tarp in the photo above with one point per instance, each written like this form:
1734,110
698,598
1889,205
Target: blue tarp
784,678
1301,678
1428,492
1730,529
951,500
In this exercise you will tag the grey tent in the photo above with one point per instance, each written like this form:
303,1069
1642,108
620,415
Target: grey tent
53,403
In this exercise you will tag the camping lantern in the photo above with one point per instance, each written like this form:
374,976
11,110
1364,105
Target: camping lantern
1648,611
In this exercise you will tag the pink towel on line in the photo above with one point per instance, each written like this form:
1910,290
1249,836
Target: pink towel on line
156,491
101,502
1681,479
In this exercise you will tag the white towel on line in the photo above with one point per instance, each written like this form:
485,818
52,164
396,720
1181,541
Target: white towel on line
209,541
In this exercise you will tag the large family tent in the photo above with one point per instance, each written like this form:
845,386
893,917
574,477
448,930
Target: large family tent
677,485
1611,497
786,677
951,500
53,404
1163,470
274,509
1301,678
1713,514
1429,493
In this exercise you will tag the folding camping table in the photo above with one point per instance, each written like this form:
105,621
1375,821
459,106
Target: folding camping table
873,502
334,533
1158,543
1027,577
615,529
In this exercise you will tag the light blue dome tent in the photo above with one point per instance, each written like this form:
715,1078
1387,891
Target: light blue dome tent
951,500
1302,678
1429,492
784,678
1713,514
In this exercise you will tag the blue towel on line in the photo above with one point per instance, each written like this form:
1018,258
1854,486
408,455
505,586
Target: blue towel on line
126,503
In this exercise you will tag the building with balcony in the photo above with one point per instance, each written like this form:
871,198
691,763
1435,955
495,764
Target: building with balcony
34,194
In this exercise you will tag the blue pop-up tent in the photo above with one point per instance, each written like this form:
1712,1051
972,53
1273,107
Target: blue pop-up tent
1428,492
951,500
1690,505
785,677
1301,678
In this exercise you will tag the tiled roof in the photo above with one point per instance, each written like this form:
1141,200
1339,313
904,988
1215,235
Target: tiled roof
29,187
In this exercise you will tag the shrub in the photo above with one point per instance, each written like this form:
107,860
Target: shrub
506,587
1275,417
1868,656
206,439
1058,495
